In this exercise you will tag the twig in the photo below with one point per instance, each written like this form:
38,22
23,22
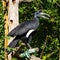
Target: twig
59,54
58,4
44,46
50,54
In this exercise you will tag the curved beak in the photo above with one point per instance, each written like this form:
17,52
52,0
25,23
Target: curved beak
44,15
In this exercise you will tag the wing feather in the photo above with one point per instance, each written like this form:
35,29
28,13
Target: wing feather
21,28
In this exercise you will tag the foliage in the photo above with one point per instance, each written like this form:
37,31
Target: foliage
1,32
47,27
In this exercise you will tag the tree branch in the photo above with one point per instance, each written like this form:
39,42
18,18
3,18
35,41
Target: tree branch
59,54
58,4
44,46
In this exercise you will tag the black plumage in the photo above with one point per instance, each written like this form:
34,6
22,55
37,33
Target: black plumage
22,29
25,27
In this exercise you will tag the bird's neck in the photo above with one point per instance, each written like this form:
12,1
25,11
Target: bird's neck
36,18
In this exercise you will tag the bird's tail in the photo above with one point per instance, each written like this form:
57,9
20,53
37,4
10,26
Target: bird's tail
13,44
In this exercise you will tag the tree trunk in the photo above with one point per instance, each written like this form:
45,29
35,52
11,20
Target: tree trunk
13,17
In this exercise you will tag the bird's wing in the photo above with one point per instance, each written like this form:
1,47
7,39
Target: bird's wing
22,28
11,33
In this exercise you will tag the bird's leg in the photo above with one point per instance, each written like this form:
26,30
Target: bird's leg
29,45
29,39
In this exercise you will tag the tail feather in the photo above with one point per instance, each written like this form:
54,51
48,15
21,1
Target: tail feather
14,42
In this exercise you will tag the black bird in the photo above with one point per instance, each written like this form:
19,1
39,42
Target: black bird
24,30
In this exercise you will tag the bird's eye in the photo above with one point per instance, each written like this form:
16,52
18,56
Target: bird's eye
37,13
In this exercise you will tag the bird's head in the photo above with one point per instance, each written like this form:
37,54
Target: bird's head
41,14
